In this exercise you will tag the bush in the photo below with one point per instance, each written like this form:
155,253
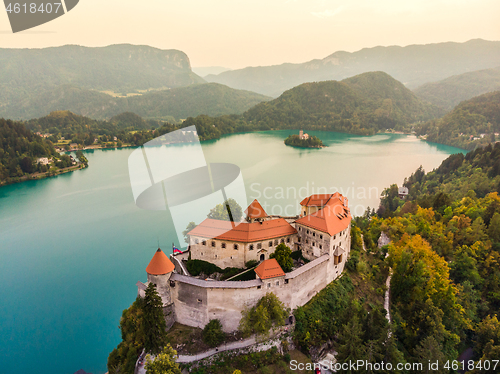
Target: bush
251,264
196,267
352,263
212,333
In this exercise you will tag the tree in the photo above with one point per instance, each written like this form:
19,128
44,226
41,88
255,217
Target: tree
154,321
212,333
282,254
260,319
229,210
494,228
164,362
191,225
351,346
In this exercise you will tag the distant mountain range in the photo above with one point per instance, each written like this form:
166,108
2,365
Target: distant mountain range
413,65
174,104
451,91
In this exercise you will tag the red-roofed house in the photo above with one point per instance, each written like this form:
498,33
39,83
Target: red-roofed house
269,269
226,246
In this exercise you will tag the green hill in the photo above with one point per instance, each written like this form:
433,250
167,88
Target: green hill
413,65
119,68
363,104
174,104
19,149
453,90
471,124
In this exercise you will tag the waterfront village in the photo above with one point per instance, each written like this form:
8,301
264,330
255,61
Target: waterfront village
321,233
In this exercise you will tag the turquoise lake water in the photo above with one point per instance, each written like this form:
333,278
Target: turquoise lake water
72,247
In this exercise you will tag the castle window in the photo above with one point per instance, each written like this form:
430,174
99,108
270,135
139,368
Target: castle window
259,287
307,241
215,256
298,239
204,242
213,244
269,285
172,284
199,300
300,228
282,240
259,245
307,231
314,234
223,245
314,244
334,236
321,236
320,246
276,242
278,283
235,246
251,247
202,253
270,244
288,240
286,281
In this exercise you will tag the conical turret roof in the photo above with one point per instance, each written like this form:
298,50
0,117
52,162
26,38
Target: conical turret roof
160,264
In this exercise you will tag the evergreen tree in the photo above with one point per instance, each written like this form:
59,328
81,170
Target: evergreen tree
155,328
351,347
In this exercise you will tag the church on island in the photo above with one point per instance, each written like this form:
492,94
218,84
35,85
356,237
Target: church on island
321,232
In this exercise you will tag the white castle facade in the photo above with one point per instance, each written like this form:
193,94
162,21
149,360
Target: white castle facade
321,232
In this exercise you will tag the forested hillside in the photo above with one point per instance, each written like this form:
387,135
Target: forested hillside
471,124
174,104
445,288
119,68
127,128
19,149
363,104
451,91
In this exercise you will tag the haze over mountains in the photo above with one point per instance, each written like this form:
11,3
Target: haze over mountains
160,84
413,65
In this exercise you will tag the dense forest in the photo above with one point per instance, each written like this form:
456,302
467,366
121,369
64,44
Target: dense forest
19,150
311,142
471,124
445,254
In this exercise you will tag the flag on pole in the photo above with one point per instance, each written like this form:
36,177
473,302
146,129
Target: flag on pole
175,249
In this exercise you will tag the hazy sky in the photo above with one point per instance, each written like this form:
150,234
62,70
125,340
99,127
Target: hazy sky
239,33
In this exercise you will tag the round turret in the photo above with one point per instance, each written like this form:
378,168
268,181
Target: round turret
160,269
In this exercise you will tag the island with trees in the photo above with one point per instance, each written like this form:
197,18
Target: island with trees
304,142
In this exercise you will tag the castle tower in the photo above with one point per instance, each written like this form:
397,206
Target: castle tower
159,270
255,211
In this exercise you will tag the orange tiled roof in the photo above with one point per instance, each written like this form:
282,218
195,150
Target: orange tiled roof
319,199
269,269
255,210
243,232
160,264
333,218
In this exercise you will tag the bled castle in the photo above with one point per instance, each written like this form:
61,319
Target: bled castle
321,232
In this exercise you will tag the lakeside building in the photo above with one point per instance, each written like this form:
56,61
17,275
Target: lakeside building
321,231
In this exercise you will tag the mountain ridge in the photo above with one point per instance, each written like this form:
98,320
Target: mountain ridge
413,65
